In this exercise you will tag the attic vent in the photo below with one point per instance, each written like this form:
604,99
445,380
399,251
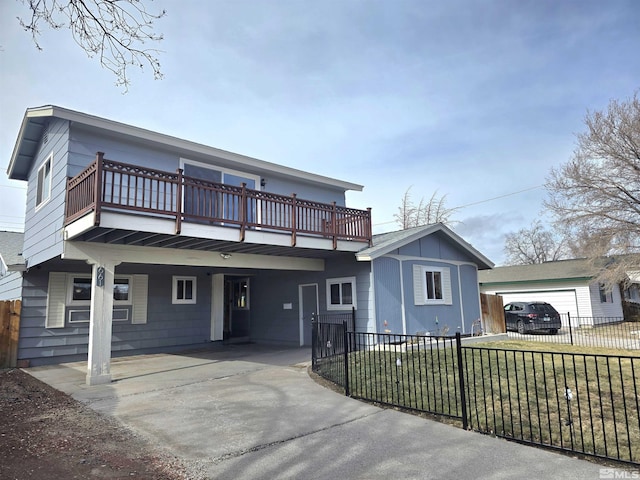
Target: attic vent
45,134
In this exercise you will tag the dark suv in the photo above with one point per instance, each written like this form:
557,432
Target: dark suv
526,317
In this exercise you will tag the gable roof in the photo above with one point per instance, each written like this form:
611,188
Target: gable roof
575,269
11,251
387,242
36,118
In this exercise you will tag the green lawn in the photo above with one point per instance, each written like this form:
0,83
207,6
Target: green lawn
515,389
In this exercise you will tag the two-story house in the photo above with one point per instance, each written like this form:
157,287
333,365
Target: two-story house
138,242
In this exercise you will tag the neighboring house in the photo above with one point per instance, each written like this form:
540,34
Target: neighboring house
631,292
160,243
568,285
11,265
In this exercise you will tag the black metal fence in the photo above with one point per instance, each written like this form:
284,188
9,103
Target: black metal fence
574,402
337,318
603,332
589,404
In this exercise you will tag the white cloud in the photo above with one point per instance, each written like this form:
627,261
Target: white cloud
474,100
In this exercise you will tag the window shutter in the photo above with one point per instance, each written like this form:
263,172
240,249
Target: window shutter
140,296
447,296
56,296
418,285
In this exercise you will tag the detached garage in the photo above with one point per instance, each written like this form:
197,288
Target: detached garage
568,285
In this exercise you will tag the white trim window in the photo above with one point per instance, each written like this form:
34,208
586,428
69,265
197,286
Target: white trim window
43,190
432,285
79,290
606,296
341,293
184,290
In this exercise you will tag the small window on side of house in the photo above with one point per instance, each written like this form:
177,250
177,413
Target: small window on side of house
605,295
341,293
432,285
43,190
184,290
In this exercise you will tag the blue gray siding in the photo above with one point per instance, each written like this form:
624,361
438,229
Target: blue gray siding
167,325
11,286
437,245
75,147
394,288
43,228
84,144
432,318
386,275
470,295
270,290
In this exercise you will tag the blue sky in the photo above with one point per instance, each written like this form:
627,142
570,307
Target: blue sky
475,100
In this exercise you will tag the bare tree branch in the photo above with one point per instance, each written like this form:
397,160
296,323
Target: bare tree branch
534,245
595,196
425,213
114,30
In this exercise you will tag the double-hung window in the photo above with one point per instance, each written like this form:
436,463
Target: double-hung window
605,295
431,285
43,189
341,293
184,289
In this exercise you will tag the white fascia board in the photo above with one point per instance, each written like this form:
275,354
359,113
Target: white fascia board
199,148
45,111
423,233
93,252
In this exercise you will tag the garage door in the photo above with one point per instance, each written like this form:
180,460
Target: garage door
562,300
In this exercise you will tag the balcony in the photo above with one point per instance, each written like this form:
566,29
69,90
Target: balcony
114,187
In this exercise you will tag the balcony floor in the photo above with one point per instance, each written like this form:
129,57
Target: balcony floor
126,229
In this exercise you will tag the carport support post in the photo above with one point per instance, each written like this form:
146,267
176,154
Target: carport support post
101,318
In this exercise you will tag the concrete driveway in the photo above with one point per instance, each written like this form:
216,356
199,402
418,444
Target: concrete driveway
252,412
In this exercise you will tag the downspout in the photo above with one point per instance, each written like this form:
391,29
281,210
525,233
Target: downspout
402,309
460,295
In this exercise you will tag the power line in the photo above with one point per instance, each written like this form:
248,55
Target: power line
476,203
14,186
498,197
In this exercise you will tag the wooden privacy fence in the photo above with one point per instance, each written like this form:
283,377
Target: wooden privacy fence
492,313
9,329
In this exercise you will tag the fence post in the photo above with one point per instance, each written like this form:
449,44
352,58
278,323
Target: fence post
314,341
346,357
353,319
463,396
570,332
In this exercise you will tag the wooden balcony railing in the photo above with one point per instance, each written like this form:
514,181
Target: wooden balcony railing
114,186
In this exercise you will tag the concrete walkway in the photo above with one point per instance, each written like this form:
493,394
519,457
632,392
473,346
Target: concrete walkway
252,412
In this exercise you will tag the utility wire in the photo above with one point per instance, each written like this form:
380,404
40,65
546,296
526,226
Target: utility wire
14,186
476,203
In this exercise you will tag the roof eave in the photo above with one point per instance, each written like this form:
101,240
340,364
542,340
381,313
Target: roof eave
144,134
36,112
537,280
482,261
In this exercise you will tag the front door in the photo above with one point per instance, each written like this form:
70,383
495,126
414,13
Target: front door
308,306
